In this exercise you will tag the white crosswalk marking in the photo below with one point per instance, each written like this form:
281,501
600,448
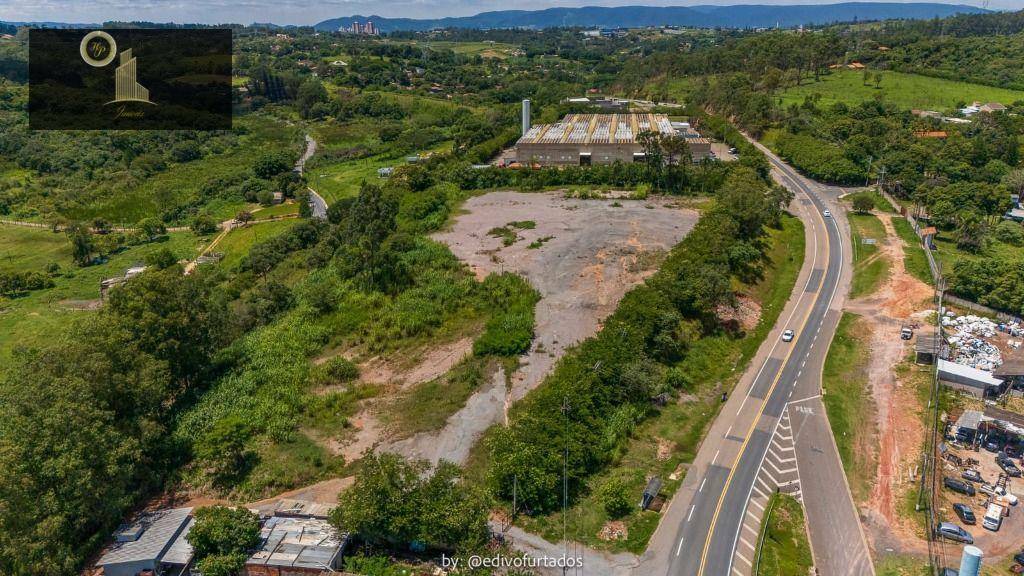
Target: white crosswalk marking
778,473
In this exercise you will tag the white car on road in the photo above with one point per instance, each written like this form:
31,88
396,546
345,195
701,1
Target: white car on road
827,213
787,336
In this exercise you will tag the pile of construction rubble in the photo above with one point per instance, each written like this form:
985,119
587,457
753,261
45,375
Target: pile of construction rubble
969,341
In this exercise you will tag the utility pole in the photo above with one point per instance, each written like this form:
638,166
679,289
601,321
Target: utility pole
565,484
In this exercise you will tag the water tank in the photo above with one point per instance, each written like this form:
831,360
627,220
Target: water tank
970,562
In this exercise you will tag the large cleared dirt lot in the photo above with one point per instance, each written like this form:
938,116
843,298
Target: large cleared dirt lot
581,255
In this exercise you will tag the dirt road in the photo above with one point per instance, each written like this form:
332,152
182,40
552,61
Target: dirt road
902,299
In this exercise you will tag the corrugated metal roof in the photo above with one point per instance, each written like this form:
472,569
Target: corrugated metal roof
979,376
309,542
159,531
180,552
598,129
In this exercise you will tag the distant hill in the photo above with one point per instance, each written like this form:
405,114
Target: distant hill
739,16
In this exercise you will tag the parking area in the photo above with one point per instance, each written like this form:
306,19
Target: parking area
983,459
721,150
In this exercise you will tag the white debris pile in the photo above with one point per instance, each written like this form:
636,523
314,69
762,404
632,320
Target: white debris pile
969,341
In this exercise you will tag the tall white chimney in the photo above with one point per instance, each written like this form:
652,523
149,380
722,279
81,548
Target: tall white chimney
526,116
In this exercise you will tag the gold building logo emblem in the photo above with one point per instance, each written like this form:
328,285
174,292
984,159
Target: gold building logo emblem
98,49
126,89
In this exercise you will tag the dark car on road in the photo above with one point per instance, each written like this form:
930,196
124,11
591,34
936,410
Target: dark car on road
972,475
951,531
965,513
1019,557
959,486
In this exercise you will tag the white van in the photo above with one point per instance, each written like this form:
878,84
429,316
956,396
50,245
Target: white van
993,517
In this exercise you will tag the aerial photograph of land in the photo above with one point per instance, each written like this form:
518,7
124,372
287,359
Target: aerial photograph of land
529,289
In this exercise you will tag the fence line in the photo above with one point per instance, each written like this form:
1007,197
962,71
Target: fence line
936,270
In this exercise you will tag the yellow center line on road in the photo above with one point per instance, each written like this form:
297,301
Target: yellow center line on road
768,395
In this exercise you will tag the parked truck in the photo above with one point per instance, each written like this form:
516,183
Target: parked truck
993,517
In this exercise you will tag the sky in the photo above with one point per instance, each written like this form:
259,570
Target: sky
313,11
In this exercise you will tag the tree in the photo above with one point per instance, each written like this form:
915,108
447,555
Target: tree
221,564
970,232
1014,181
365,254
82,244
223,449
269,165
204,224
311,92
222,538
162,259
243,217
863,203
151,228
395,502
303,199
181,320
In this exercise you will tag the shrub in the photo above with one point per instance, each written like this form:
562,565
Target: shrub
509,331
1010,232
339,370
863,203
614,496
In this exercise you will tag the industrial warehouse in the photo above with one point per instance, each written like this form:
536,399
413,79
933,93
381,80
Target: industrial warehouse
585,139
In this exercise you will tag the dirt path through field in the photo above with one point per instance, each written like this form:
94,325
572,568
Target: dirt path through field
902,299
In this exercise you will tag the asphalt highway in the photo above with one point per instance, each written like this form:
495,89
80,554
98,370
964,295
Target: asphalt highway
710,527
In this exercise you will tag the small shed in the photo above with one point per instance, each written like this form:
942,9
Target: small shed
927,347
968,425
1011,371
297,547
144,544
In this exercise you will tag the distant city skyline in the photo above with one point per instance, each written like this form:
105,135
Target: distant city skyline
307,13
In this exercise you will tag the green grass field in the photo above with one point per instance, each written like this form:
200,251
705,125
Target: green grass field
848,402
343,179
785,550
870,268
907,91
484,49
902,565
914,259
32,318
713,364
285,209
237,243
947,253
